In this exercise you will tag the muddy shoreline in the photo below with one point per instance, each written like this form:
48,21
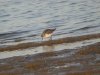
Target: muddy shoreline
84,61
50,42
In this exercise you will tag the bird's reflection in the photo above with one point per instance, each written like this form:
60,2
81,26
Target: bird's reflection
48,48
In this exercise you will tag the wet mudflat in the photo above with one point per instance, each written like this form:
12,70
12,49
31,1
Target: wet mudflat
80,61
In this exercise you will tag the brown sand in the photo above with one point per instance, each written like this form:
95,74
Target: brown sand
94,49
50,42
52,63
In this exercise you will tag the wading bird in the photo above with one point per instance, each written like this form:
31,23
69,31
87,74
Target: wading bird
48,33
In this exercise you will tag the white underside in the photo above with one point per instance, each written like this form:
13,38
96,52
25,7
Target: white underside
47,35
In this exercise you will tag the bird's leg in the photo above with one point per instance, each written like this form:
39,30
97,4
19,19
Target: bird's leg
51,37
42,38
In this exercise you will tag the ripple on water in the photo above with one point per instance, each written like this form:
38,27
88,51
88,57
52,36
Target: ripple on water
71,18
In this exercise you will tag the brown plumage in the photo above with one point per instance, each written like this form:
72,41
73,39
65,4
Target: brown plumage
47,33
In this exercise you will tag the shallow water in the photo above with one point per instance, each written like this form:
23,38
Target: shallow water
42,49
24,20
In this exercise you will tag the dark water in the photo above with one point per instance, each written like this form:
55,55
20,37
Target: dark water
24,20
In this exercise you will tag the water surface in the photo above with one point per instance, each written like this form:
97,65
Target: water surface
25,20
